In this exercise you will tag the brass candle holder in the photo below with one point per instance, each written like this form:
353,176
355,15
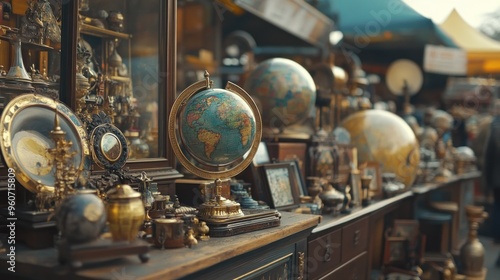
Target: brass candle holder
62,156
472,252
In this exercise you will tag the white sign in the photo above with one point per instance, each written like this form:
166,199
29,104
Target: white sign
294,16
444,60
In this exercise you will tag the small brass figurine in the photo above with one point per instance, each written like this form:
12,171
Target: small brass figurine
203,231
190,240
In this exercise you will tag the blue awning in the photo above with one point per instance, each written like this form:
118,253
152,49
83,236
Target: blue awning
382,23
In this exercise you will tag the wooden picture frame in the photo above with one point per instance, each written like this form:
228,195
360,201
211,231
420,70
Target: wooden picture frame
262,155
296,174
373,169
252,175
395,250
409,229
280,186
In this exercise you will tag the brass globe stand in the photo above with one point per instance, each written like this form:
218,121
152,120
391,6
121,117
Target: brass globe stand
219,207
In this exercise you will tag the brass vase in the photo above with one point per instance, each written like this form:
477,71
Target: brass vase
126,213
472,252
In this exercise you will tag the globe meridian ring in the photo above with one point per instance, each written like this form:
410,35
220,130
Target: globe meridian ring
195,164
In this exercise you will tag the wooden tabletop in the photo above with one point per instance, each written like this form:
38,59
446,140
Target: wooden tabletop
163,264
427,187
330,221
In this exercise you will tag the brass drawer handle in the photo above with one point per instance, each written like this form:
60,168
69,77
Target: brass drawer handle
357,235
301,267
328,253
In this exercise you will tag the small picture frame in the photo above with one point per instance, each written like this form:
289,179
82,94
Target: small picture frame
262,155
408,229
373,169
395,250
297,176
280,185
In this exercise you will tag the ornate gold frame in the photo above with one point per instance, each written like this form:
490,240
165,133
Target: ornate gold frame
99,155
8,130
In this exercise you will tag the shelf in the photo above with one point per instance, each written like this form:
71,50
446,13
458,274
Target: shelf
102,32
29,45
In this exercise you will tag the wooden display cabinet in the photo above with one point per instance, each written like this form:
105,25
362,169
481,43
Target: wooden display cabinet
139,90
38,54
132,46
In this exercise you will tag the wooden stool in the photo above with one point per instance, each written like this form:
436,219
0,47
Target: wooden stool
449,207
429,220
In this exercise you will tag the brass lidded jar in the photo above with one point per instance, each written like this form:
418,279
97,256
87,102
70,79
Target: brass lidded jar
125,213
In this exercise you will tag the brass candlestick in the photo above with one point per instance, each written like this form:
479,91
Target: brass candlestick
65,172
472,252
365,186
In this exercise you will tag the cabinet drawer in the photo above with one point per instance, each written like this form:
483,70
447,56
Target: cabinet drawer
353,270
354,239
323,254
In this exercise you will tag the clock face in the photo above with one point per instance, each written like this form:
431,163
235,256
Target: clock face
27,122
31,151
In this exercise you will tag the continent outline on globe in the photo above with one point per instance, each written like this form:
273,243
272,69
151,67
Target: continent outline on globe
233,118
196,162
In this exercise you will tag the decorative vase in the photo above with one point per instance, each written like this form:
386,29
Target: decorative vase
17,70
331,198
125,213
472,252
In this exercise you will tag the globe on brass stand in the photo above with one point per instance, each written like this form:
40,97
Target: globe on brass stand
215,134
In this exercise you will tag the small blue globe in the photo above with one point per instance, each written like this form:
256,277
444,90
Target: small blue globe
81,218
217,127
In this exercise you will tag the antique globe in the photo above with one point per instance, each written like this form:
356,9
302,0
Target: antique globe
215,134
81,217
217,127
386,138
284,91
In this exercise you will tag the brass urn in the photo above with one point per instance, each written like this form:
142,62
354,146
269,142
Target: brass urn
126,213
472,252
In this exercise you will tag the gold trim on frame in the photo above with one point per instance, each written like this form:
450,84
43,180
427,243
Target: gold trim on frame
24,174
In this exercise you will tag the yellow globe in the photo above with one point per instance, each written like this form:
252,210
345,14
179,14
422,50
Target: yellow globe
386,138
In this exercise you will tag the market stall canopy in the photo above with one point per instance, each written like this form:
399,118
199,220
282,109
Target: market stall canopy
483,53
382,24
